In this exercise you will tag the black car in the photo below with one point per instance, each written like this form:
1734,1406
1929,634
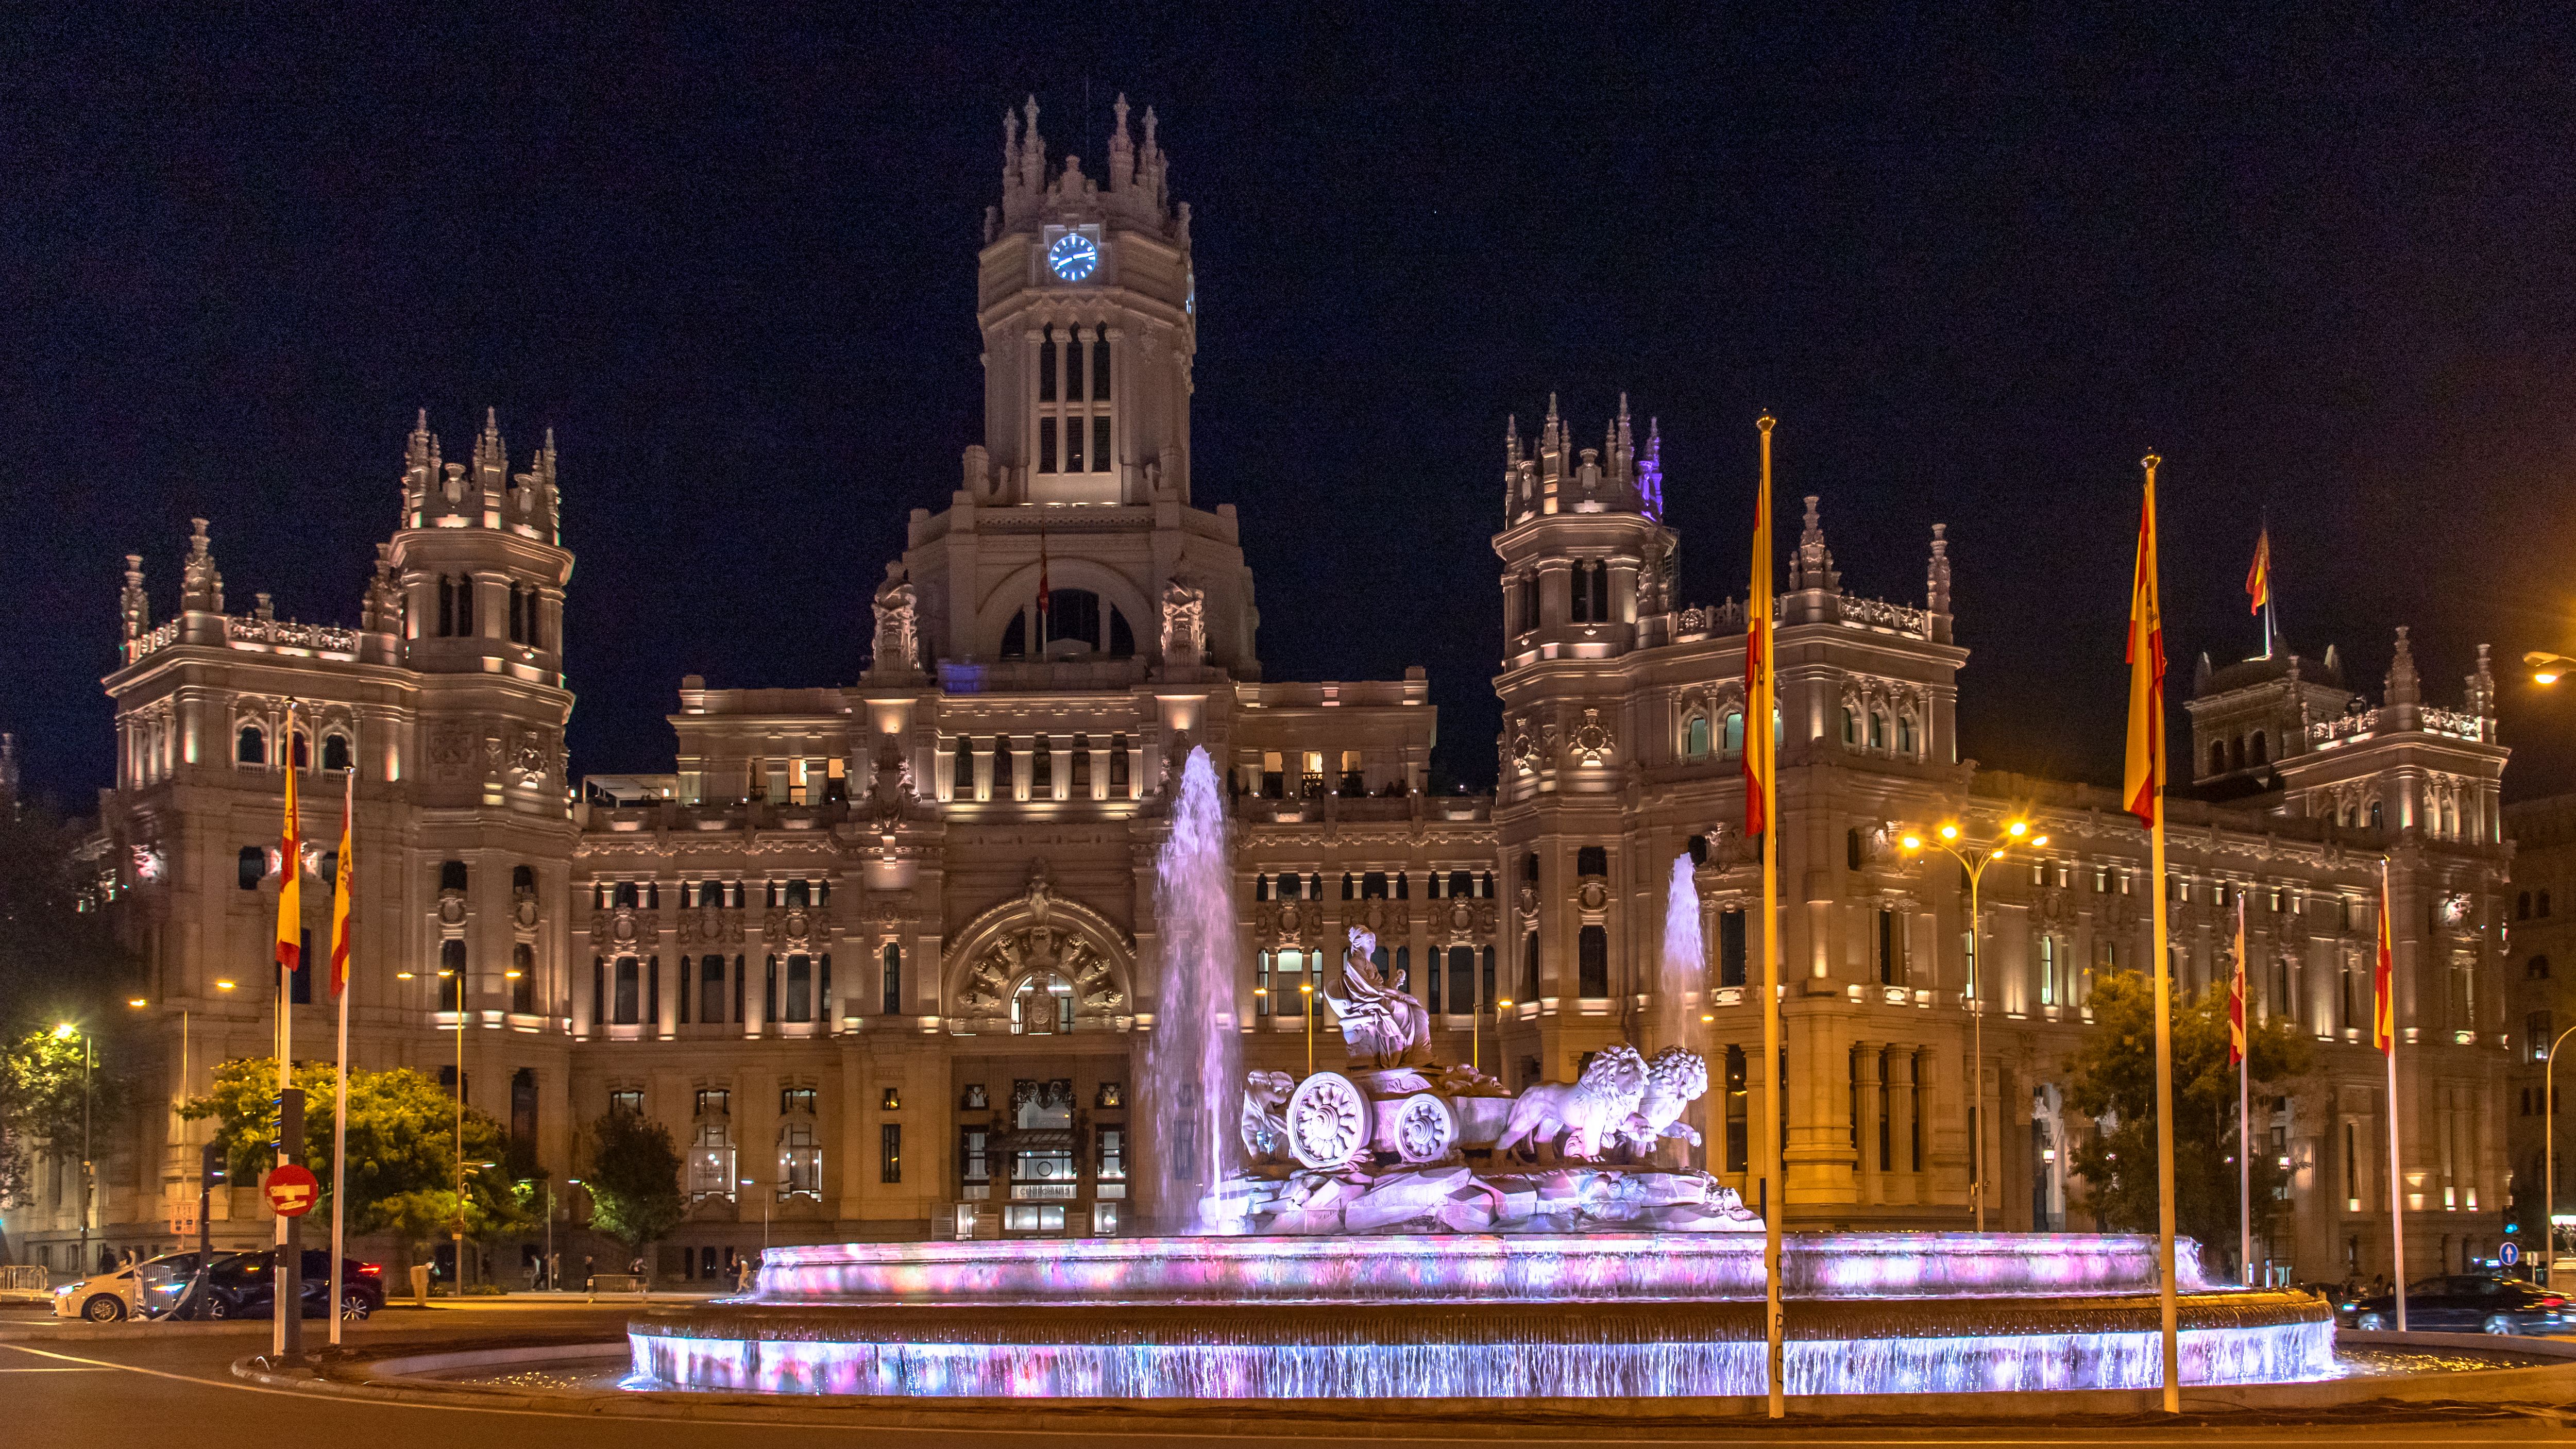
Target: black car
2465,1303
242,1286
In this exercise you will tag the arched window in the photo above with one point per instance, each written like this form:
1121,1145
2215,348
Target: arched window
2236,753
2375,818
2218,757
2255,751
2344,816
335,752
251,747
523,979
1073,622
1731,733
1015,637
1851,726
1695,737
1905,734
300,749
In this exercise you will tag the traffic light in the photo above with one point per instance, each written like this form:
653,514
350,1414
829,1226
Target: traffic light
212,1170
286,1124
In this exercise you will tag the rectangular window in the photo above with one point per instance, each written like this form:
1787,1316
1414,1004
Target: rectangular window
653,991
1100,434
1730,948
1462,979
890,1152
2536,1036
2048,971
1112,1166
974,1162
769,993
1737,1099
1118,767
1046,445
893,1003
1261,984
1891,949
1592,962
1073,445
1100,368
627,1004
629,1099
1046,367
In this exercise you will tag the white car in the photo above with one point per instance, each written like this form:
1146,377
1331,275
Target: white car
135,1290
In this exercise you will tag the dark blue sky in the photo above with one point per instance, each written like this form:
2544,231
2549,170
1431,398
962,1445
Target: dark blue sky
1977,262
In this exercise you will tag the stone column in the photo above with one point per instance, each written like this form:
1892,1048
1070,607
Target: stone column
1060,765
1870,1174
1903,1126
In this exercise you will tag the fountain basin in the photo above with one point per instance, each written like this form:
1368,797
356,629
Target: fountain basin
1398,1268
1559,1349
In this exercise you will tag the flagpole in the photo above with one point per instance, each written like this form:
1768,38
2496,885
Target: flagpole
2387,1008
2143,781
289,866
2244,1110
1774,1156
340,1075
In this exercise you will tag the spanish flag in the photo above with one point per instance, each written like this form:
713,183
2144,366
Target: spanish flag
1758,684
2258,579
340,888
2383,1011
2142,783
290,867
2236,991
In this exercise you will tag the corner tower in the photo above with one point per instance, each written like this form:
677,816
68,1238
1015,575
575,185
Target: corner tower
1089,312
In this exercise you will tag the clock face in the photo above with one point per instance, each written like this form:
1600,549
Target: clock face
1073,256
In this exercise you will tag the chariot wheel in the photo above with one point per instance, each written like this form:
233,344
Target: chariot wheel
1328,1120
1426,1128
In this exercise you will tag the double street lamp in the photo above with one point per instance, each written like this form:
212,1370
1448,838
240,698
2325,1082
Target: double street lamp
1973,861
2549,1158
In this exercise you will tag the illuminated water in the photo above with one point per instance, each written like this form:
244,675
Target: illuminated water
1191,1059
1683,972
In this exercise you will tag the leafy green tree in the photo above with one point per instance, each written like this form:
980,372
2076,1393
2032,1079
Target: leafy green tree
64,962
402,1147
2112,1079
634,1179
42,1096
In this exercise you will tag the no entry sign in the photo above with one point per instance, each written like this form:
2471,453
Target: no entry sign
291,1190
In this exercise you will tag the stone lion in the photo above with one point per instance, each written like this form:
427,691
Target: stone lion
1265,1114
1591,1113
1676,1078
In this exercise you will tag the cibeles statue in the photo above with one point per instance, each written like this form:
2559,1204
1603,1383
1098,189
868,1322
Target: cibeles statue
898,641
1383,1024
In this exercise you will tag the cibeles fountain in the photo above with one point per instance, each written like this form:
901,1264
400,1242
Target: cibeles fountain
1398,1228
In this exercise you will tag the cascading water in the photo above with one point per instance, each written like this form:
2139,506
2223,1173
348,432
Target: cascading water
1191,1060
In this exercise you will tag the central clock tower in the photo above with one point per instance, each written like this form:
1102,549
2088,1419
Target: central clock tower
1089,314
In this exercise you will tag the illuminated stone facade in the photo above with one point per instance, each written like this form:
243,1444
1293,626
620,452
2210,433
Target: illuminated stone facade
882,956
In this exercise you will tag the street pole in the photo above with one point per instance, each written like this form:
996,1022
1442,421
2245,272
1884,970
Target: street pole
89,1176
1973,863
2549,1158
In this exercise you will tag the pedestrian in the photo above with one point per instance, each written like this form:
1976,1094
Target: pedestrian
554,1272
635,1269
589,1271
742,1276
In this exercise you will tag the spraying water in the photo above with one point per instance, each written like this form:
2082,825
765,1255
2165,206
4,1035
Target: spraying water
1681,985
1192,1059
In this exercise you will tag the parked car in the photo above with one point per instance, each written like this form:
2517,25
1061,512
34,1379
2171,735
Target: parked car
2465,1303
243,1286
137,1290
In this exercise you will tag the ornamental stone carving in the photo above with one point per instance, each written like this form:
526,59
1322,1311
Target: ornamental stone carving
1591,739
898,638
624,928
1184,622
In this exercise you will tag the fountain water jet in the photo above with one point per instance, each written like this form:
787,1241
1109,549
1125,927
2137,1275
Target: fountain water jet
1191,1060
1682,980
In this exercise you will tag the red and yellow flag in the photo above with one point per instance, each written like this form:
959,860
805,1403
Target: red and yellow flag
1759,686
290,865
2142,784
2383,1009
340,887
2258,579
2236,992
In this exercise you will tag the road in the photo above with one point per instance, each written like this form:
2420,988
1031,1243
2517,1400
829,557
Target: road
171,1383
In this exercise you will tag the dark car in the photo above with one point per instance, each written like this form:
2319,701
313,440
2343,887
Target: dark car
243,1286
2464,1303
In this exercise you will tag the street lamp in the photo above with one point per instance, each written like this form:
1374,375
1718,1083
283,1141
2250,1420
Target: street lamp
1306,989
458,1237
1973,861
2549,1156
89,1191
2548,668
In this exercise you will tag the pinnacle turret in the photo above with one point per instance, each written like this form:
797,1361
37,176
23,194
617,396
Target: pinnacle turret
1812,567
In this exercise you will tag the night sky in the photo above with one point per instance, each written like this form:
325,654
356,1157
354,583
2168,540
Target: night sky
1977,265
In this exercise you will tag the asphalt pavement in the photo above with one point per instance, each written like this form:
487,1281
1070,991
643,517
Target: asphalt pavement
120,1386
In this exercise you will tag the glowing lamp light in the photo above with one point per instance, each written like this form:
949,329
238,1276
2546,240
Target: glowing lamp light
137,1001
66,1032
402,976
1913,842
2546,676
223,986
1949,832
2017,829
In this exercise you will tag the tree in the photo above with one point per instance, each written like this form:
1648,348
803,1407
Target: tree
402,1147
64,961
634,1179
44,1100
2112,1079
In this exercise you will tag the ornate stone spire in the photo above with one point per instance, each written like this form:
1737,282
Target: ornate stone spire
134,609
2482,691
201,588
1122,152
2405,686
1812,567
1936,583
8,768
